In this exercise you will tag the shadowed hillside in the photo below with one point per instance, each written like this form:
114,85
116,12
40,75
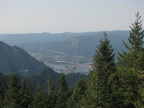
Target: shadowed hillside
17,60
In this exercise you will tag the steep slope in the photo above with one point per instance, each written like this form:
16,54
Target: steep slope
18,60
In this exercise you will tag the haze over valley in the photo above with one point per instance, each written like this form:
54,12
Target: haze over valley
65,52
64,34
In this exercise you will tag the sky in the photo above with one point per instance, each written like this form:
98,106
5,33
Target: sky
57,16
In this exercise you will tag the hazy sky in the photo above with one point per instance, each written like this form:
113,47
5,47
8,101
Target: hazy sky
25,16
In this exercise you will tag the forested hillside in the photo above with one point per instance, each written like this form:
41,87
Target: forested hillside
16,60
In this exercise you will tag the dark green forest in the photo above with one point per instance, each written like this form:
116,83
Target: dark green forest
109,84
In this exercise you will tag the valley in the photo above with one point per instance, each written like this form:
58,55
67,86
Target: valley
64,63
65,52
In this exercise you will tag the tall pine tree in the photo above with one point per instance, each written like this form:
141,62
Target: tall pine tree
1,93
11,97
50,96
79,92
133,66
38,99
63,93
99,91
135,55
24,96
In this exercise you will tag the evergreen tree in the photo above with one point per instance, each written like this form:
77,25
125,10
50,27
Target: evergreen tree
99,91
50,96
38,99
63,93
124,85
78,93
135,55
133,66
11,97
1,93
24,96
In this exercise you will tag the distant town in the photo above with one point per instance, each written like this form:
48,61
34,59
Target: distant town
63,63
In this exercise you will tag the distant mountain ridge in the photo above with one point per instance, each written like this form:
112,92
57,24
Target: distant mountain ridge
83,43
17,60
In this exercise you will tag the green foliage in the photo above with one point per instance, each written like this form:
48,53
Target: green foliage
135,55
78,93
38,99
99,91
63,93
27,97
133,65
124,85
53,76
50,96
1,93
24,96
11,97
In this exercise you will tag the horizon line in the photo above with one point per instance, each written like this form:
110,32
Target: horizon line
62,32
